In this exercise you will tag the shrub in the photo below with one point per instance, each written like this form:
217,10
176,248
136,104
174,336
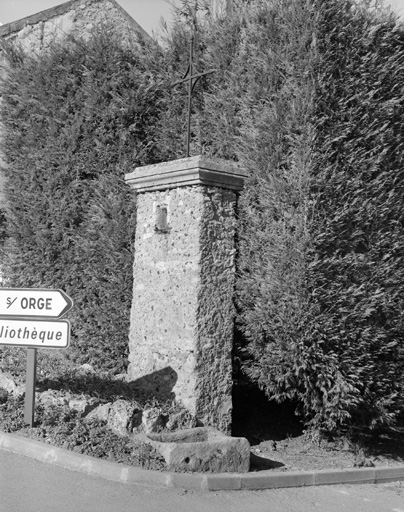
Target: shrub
321,241
306,96
357,271
76,118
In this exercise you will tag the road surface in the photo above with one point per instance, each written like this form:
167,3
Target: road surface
27,485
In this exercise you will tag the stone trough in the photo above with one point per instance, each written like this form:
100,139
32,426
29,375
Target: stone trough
201,449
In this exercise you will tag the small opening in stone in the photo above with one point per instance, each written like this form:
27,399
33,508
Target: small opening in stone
161,222
186,460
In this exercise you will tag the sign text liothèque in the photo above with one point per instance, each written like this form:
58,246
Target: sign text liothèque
35,333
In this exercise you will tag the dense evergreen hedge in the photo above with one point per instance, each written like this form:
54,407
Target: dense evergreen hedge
307,97
76,118
357,272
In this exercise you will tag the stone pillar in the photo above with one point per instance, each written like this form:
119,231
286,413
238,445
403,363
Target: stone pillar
182,318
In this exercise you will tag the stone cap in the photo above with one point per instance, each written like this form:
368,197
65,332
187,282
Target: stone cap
186,172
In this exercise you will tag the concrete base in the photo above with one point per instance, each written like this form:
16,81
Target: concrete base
201,449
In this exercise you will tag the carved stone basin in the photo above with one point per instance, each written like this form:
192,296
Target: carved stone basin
202,449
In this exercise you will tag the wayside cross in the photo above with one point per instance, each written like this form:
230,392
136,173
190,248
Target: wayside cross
192,81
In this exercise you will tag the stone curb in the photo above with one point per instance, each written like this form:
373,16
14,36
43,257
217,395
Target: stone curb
209,482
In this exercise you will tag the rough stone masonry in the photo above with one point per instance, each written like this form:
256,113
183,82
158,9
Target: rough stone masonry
182,317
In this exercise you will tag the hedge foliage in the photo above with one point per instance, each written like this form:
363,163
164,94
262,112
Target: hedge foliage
321,290
76,117
307,97
357,270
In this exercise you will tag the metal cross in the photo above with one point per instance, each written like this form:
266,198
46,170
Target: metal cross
192,81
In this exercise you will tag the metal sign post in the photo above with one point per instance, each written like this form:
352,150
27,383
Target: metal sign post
27,319
29,404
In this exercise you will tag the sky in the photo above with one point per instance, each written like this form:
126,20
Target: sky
146,12
398,6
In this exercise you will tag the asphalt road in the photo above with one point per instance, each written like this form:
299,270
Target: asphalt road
27,485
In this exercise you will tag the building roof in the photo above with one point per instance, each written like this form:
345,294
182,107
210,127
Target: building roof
15,26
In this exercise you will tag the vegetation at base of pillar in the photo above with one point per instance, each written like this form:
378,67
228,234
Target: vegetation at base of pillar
76,117
307,97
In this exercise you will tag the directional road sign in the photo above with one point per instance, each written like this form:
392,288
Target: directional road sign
35,333
28,318
33,303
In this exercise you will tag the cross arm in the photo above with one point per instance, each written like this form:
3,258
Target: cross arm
198,75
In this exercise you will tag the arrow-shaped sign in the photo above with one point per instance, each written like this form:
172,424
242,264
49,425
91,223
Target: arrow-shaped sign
33,303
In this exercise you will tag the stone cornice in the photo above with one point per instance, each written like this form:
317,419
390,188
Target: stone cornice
195,170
